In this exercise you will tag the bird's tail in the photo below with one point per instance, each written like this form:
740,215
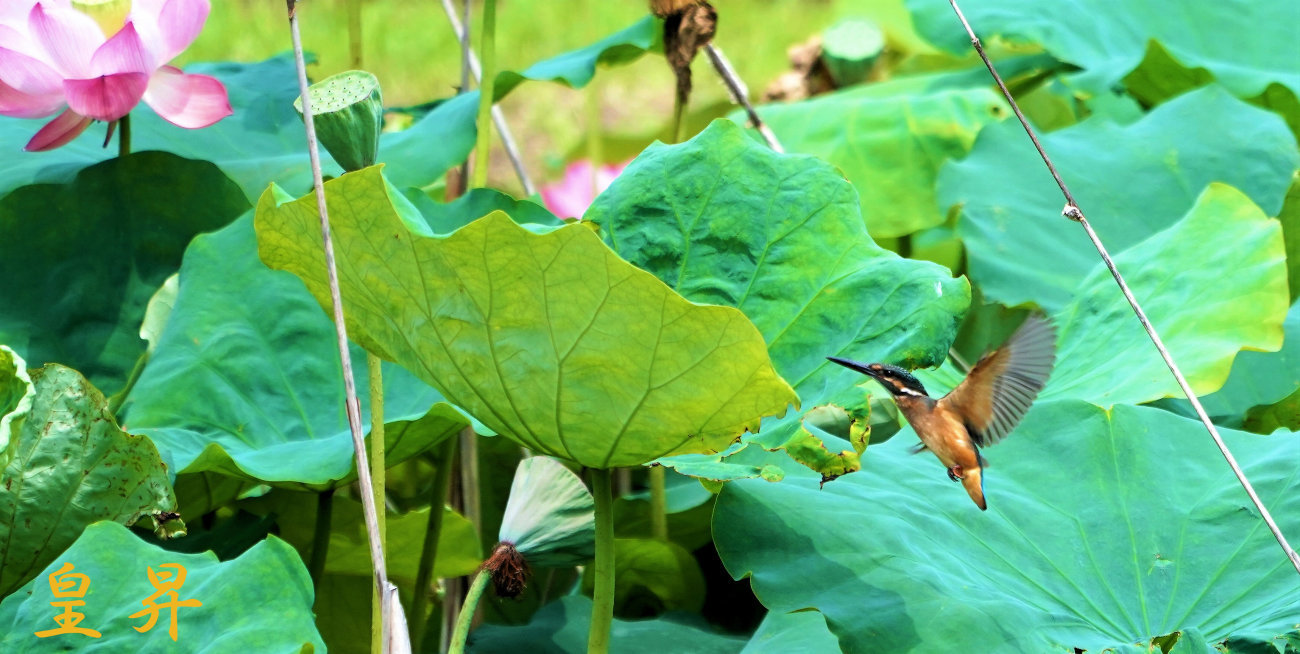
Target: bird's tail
973,480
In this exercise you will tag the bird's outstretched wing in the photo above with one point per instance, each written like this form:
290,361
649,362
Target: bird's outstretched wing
999,389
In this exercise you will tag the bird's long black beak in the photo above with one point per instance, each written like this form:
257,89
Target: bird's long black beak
853,365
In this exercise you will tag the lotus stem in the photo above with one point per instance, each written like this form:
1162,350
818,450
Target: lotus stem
377,473
124,135
602,596
658,503
429,553
352,406
354,33
467,609
320,540
487,91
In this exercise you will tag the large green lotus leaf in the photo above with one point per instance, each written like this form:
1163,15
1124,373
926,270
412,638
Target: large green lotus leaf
71,465
550,339
259,602
890,142
723,219
246,378
798,632
576,68
561,628
79,261
447,217
1131,181
1246,44
349,549
1206,300
1104,528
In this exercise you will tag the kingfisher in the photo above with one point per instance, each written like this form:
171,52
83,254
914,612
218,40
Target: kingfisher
981,410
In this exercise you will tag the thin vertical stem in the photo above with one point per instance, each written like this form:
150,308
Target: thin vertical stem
320,539
658,503
354,33
461,634
429,552
377,473
740,94
602,596
498,118
124,135
1073,212
349,381
487,91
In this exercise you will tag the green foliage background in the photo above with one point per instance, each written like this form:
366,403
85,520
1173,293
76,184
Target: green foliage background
685,321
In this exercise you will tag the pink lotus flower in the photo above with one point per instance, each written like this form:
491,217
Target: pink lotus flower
570,197
54,57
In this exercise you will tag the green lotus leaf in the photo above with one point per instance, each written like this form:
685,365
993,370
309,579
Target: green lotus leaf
717,467
575,69
158,310
1104,528
16,394
246,379
890,140
550,515
445,218
799,632
349,547
723,219
549,339
71,465
652,576
1131,180
79,261
1289,216
259,602
1224,299
561,628
1245,45
1259,380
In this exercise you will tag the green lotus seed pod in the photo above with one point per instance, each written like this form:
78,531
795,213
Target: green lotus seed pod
850,48
349,114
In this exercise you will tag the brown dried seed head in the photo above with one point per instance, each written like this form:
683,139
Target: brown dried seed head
509,570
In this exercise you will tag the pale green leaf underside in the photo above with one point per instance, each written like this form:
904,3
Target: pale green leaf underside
549,339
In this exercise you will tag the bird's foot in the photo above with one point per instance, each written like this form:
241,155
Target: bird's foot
955,473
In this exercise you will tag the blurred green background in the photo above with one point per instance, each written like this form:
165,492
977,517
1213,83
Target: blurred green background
411,47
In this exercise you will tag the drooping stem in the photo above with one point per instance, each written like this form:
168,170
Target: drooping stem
354,33
340,330
320,539
602,596
429,552
679,109
487,91
1073,212
124,135
658,503
377,474
119,398
461,633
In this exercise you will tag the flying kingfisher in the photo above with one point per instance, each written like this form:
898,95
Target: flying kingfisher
982,409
